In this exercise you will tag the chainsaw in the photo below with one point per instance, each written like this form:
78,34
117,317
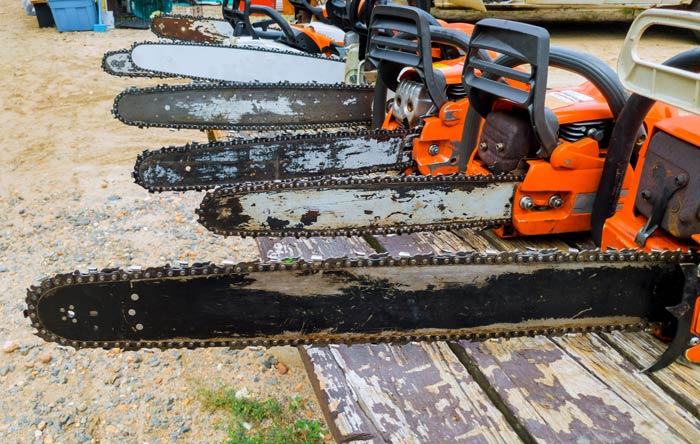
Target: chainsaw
228,49
265,105
531,180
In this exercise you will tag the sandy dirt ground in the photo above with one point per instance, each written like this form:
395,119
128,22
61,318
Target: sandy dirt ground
67,201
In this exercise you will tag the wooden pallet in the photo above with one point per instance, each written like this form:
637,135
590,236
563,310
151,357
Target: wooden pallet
570,389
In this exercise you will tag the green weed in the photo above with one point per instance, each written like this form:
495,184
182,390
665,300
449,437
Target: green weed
264,422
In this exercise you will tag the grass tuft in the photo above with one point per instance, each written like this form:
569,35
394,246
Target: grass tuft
251,421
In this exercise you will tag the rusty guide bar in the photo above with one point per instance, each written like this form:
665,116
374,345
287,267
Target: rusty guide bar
363,299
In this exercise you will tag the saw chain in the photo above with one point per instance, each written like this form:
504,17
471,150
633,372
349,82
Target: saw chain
132,71
223,201
132,276
245,47
189,159
209,86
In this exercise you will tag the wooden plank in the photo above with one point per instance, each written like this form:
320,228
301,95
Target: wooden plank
439,242
344,417
637,389
556,399
525,243
412,244
274,248
681,379
475,239
411,393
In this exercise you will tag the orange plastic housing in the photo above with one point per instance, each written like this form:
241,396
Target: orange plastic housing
322,41
621,229
571,174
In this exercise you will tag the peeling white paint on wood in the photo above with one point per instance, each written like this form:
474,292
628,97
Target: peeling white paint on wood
635,388
420,394
557,399
682,378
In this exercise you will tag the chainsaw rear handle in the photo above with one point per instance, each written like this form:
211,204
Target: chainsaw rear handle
661,82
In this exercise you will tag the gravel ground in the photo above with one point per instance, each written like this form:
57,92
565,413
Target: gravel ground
67,201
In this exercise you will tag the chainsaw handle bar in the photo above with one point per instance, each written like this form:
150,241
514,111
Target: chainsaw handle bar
304,5
525,43
660,82
275,18
241,24
587,66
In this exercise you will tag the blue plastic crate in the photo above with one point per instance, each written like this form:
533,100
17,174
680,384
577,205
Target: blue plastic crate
73,15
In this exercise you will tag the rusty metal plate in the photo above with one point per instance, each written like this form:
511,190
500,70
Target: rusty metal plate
670,173
192,29
245,106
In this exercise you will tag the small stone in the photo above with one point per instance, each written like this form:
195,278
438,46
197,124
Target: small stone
45,359
272,381
113,197
103,184
4,269
281,368
267,363
10,346
41,426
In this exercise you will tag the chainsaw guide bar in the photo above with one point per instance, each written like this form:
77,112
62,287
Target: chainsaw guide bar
245,106
200,167
466,295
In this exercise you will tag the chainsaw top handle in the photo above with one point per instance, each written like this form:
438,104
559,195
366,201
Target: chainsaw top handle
302,8
239,19
401,37
529,45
